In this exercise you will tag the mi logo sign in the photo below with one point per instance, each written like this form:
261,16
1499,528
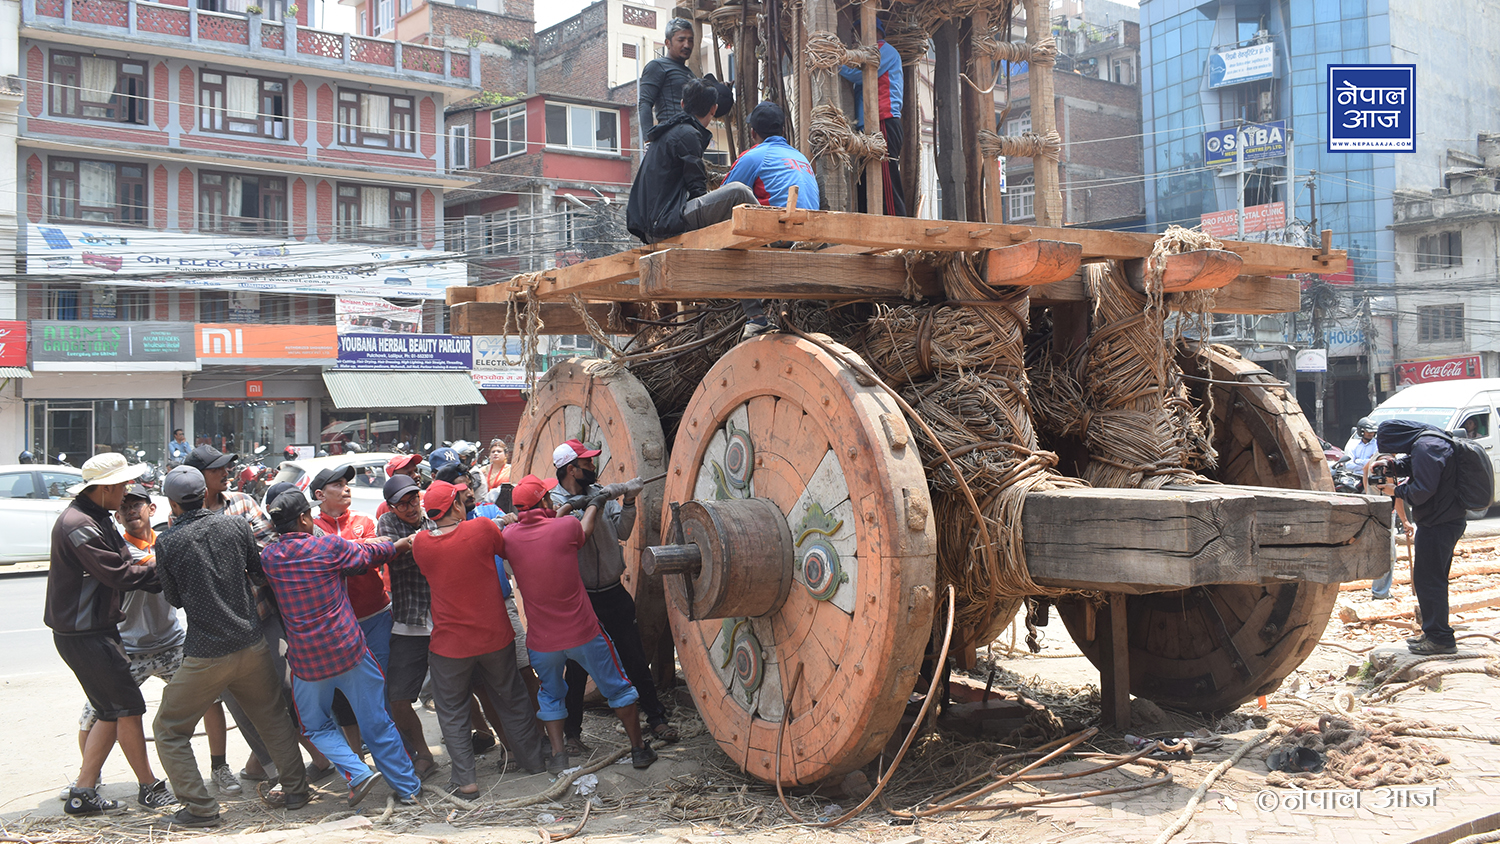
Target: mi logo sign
222,342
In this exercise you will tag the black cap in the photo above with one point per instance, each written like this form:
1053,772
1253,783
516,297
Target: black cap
206,457
286,507
767,119
275,490
724,93
398,487
343,473
137,491
453,474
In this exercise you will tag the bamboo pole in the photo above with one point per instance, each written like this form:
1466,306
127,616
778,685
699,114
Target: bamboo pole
827,87
984,77
804,88
1049,207
874,183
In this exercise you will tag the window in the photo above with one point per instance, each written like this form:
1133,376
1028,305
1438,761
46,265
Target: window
628,50
98,88
582,127
275,308
376,120
213,306
1123,71
1439,251
242,105
502,233
1440,322
380,214
96,191
508,130
1019,125
458,148
229,202
384,16
1020,200
133,305
18,485
62,304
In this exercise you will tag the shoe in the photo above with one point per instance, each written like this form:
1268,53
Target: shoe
481,742
557,762
665,733
755,327
424,773
276,798
642,757
358,792
265,774
408,800
226,781
68,789
185,817
86,801
315,773
574,746
156,796
1427,647
1412,640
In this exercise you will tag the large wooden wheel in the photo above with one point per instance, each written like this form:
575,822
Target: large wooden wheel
1214,647
614,411
778,419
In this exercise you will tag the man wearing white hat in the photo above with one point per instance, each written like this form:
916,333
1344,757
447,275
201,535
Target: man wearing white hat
91,567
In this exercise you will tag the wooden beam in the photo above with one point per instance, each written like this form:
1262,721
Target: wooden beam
557,318
870,89
1114,674
459,295
1031,263
779,274
764,225
1248,294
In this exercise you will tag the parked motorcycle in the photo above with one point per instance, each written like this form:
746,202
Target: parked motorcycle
1345,478
255,478
149,478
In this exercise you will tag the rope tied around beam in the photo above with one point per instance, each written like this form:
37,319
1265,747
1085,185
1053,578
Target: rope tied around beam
832,137
906,35
826,52
1028,145
1043,52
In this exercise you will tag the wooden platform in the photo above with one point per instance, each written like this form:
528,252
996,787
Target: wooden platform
1140,541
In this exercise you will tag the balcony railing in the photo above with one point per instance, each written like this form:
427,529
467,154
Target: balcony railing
146,22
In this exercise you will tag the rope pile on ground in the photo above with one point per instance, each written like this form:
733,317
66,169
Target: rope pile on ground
1364,755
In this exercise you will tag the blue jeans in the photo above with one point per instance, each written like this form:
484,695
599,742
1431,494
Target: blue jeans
364,687
598,658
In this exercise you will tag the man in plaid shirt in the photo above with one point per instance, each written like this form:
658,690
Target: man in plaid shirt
327,648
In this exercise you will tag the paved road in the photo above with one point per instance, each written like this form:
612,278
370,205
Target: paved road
25,643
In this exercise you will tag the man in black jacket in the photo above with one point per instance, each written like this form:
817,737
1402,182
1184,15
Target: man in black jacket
659,94
1431,496
670,194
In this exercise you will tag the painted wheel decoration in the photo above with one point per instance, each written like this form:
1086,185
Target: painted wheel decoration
778,419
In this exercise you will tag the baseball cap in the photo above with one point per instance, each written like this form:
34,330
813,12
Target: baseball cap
441,457
206,457
137,491
276,490
106,469
570,451
530,490
723,92
399,462
439,497
185,483
397,488
767,119
453,473
343,473
286,507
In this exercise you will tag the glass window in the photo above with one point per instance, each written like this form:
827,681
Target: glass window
377,214
98,88
1021,200
231,202
458,148
18,485
1440,322
377,120
508,131
56,485
242,105
374,430
96,191
244,426
213,306
583,127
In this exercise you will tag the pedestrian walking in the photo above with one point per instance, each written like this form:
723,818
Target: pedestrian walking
205,561
92,567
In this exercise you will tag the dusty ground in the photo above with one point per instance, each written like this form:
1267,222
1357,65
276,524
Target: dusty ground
695,794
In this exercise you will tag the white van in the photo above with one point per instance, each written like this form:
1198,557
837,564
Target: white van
1454,406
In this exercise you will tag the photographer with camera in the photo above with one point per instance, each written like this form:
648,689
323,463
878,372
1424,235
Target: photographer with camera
1431,495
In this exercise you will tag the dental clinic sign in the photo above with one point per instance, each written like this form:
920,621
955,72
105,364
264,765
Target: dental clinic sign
1372,108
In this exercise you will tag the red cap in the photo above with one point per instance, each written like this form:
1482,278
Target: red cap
439,497
570,451
530,490
399,462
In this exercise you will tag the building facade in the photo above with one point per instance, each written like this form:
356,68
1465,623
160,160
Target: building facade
203,196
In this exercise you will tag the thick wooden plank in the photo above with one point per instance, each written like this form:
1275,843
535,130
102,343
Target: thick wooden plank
557,318
947,236
779,274
1200,269
459,295
1114,675
1247,294
1031,263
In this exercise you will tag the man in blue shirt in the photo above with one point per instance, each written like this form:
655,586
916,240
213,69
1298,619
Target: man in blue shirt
890,93
178,448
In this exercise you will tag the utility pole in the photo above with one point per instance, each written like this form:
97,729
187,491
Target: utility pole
1369,330
1319,378
1239,175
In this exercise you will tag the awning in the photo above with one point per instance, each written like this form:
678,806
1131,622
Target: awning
14,372
400,389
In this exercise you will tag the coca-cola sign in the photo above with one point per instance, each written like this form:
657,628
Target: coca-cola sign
1447,369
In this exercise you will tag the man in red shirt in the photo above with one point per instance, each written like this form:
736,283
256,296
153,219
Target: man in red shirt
542,551
471,633
370,592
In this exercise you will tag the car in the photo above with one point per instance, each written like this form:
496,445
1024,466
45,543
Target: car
31,498
369,476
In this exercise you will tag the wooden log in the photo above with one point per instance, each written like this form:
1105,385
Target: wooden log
557,318
1140,541
459,295
1114,675
1048,205
1200,269
1247,294
870,89
1031,263
780,274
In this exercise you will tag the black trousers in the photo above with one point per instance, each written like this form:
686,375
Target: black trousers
616,611
1432,558
890,171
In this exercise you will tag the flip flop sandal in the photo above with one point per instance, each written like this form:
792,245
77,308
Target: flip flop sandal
315,773
246,775
666,733
424,774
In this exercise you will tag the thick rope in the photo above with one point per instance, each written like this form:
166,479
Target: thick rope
1202,791
832,137
826,52
1029,145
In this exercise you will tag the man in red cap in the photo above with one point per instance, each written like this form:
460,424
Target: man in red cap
470,633
543,553
402,464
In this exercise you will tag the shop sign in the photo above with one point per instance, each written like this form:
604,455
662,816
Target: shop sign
354,315
233,343
1372,108
77,340
1312,360
499,363
144,258
255,389
1258,218
431,352
1246,64
1259,140
1444,369
12,342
